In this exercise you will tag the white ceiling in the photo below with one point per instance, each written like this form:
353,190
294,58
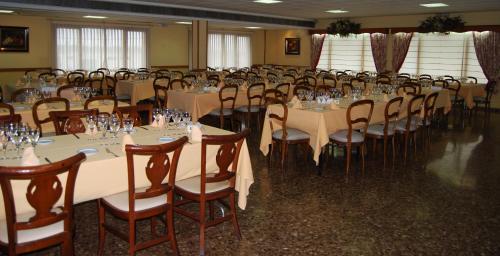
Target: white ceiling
315,9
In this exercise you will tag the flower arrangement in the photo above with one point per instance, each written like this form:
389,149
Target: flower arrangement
344,27
441,23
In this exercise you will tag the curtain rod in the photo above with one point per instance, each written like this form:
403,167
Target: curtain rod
101,24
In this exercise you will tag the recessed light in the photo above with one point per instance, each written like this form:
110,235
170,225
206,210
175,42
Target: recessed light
184,22
6,11
253,27
94,17
267,1
434,5
336,11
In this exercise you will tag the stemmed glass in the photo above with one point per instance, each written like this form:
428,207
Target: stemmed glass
177,116
167,114
156,115
114,126
186,118
4,139
128,125
17,140
33,137
102,121
90,123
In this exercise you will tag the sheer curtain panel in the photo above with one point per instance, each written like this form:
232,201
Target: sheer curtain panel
229,50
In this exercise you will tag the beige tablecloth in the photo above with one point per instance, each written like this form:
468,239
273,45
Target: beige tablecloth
469,91
136,89
319,123
103,174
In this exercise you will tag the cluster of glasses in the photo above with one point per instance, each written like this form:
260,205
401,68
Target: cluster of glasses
234,81
173,118
31,96
17,134
26,78
85,92
105,123
385,88
142,75
305,95
255,79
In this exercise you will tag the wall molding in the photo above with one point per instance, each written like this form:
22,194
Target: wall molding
170,66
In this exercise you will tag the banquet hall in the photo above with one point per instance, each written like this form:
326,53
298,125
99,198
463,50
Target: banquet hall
249,127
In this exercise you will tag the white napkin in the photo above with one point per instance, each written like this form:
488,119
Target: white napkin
160,123
334,106
386,98
297,104
29,157
127,139
294,100
196,133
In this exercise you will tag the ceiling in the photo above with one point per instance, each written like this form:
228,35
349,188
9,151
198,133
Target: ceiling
315,9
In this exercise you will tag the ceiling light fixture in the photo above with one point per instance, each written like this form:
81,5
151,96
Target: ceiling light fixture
267,1
336,11
6,11
253,27
184,22
94,17
434,5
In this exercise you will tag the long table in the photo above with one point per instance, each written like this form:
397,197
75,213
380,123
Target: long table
103,174
320,123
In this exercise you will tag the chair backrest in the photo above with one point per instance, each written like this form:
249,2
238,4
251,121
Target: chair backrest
426,76
404,75
311,80
414,109
284,88
417,86
391,112
133,112
471,79
383,79
440,83
271,75
111,85
189,78
274,93
228,93
89,101
227,158
64,88
454,85
36,115
298,88
20,94
159,166
42,193
97,75
175,83
490,89
429,105
105,71
58,72
177,74
251,73
12,117
255,92
275,118
358,82
406,88
355,118
160,86
330,81
448,77
75,78
47,76
67,122
347,88
122,75
322,89
213,80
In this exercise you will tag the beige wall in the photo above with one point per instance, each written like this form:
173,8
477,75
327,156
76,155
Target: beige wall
169,46
258,46
275,47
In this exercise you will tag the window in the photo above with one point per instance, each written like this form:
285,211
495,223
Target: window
229,50
91,48
438,55
353,52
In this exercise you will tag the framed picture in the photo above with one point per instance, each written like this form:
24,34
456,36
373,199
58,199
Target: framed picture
14,39
292,46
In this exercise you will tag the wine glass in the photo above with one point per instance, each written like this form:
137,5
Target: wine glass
177,116
102,121
114,127
17,140
4,139
156,115
186,118
33,137
128,125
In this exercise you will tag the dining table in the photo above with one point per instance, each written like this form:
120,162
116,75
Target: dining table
319,121
104,172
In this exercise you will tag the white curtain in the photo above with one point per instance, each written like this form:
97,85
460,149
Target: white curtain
229,50
90,48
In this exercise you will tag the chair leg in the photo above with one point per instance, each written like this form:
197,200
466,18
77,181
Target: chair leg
363,159
67,248
415,143
153,226
393,150
234,218
131,236
171,231
221,122
348,161
102,230
374,145
406,146
385,150
211,210
284,152
202,227
270,154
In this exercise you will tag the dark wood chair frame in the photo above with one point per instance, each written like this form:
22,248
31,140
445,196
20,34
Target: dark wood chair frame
102,97
67,122
37,120
413,113
12,117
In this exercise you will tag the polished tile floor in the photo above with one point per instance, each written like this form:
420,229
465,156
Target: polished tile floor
445,202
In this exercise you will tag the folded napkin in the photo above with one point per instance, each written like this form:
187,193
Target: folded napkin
29,157
160,123
334,106
386,98
297,104
294,100
127,139
196,133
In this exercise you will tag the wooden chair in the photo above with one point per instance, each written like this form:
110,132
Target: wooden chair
440,83
409,125
147,202
189,78
75,78
64,88
383,79
110,85
349,137
58,72
96,79
358,82
274,93
429,109
133,112
471,79
406,88
36,116
486,100
178,84
285,89
213,187
12,117
289,78
177,74
386,130
311,80
213,80
161,91
122,75
424,76
271,76
284,136
89,103
255,93
448,77
70,122
105,71
404,75
47,76
347,88
228,93
454,88
301,88
321,89
49,226
330,81
251,74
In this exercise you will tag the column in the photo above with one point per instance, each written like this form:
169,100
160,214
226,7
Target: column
199,44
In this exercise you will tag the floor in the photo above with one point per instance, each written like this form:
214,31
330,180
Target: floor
445,202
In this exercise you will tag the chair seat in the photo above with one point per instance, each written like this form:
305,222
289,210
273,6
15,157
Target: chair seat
120,201
225,112
34,234
253,109
292,134
378,129
341,136
401,125
193,185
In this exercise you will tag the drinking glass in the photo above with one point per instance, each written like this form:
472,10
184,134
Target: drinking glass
114,127
128,125
102,121
177,116
156,115
186,118
4,139
17,140
33,137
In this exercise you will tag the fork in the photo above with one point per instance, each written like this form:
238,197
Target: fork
110,152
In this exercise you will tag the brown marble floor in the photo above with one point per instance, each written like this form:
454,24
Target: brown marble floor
446,202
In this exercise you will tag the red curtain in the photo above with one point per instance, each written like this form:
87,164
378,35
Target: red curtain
400,44
316,47
379,50
487,45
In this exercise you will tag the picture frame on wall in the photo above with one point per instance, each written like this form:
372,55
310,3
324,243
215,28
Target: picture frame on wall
292,46
14,39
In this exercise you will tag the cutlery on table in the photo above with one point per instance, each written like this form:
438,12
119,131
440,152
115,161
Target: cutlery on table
76,136
143,128
111,152
48,161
